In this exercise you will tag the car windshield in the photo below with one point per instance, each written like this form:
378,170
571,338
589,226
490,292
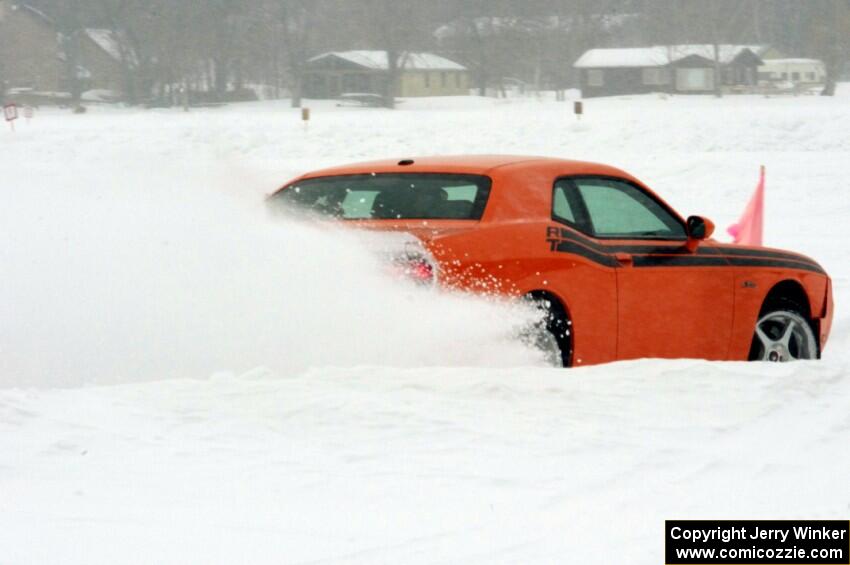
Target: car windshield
390,196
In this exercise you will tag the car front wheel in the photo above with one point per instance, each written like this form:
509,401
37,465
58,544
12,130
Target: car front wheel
783,334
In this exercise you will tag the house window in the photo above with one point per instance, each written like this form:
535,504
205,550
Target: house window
656,76
427,80
595,77
457,80
810,77
795,76
444,79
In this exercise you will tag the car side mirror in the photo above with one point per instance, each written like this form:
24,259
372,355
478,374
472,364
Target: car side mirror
699,229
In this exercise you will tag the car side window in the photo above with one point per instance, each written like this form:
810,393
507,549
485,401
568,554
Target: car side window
567,206
561,208
618,209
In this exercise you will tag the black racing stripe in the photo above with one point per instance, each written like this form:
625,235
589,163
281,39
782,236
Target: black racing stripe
675,249
762,253
647,249
658,260
697,261
563,233
634,248
565,246
676,255
756,262
715,252
678,248
678,261
641,261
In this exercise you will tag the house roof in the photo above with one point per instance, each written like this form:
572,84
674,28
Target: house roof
377,60
110,43
659,55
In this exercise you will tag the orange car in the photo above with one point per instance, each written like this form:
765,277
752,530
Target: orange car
620,274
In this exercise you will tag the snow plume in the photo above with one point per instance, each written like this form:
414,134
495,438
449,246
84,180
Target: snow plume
144,272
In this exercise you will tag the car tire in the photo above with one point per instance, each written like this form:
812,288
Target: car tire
783,333
552,334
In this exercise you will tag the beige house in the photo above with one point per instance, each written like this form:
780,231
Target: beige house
365,72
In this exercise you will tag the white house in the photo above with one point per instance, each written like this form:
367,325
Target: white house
796,71
673,68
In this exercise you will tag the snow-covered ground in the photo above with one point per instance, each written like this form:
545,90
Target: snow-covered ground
184,381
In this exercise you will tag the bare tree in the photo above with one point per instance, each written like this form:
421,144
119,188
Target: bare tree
829,31
383,15
69,31
714,23
297,29
119,17
470,37
395,27
3,79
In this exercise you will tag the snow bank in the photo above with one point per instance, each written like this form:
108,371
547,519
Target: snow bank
376,465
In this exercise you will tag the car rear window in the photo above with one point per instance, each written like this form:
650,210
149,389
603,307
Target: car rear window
390,196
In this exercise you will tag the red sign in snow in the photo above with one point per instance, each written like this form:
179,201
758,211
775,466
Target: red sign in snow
10,111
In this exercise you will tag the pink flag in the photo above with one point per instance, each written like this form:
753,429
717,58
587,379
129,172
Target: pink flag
749,229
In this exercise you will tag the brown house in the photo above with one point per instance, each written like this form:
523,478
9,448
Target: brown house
684,69
106,58
33,64
29,51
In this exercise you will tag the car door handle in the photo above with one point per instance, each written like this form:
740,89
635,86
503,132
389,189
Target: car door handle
624,259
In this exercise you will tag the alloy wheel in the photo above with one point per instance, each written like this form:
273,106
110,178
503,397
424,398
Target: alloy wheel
785,336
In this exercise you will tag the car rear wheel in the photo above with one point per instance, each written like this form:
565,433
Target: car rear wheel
783,334
552,334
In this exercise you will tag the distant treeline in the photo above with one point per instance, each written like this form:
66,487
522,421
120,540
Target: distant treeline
219,46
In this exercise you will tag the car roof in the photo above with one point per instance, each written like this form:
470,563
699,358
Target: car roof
468,164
